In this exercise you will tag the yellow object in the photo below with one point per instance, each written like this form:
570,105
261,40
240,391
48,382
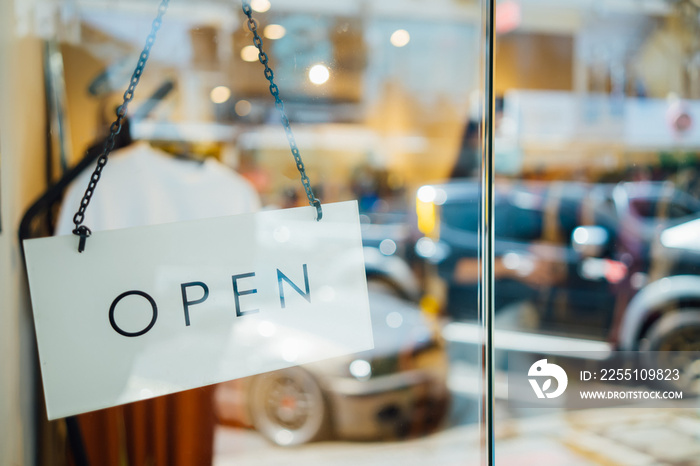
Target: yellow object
430,305
425,212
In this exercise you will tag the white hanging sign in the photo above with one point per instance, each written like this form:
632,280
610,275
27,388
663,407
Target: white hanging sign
154,310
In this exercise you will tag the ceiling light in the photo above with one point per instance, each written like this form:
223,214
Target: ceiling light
220,94
261,6
426,194
319,74
274,31
242,108
249,53
400,37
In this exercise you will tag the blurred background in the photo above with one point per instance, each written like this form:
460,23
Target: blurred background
597,202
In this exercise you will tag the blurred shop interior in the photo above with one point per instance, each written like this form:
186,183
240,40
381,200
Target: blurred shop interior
385,101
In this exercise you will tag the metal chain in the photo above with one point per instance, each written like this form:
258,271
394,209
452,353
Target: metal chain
274,90
80,229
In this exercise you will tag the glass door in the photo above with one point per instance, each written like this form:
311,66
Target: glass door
596,201
388,104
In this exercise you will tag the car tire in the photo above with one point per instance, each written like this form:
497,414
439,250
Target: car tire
671,337
288,407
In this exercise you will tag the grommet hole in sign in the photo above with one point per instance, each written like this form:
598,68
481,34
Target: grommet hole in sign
153,310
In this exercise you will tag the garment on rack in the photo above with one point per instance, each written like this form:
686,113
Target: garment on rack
141,185
144,186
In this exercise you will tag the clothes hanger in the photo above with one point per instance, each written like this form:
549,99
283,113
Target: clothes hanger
32,224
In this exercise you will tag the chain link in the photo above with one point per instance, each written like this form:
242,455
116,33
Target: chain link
79,217
274,90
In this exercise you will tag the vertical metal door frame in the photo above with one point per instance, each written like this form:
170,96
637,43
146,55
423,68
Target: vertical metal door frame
486,237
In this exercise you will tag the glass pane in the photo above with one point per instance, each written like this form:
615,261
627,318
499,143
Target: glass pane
596,204
385,103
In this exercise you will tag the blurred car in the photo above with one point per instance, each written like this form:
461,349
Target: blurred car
395,390
648,202
615,276
670,308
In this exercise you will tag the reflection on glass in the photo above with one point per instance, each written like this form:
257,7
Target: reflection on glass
596,232
378,96
596,204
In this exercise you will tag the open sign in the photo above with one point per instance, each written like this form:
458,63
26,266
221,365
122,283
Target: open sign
154,310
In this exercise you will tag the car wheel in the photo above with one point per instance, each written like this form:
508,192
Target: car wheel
675,340
288,407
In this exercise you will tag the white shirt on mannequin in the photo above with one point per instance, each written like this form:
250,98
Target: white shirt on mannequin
141,185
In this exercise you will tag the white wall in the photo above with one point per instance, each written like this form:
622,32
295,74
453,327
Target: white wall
21,172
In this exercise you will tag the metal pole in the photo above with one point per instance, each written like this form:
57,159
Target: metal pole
487,236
